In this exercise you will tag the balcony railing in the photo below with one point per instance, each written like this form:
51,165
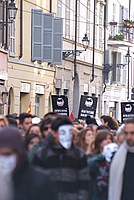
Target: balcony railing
121,32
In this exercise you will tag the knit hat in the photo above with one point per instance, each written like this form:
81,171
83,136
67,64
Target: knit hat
10,137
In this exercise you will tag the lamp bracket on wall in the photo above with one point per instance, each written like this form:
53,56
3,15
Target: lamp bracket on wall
107,67
67,53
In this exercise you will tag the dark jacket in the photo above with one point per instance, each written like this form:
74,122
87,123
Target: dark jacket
28,183
32,184
67,168
99,172
39,145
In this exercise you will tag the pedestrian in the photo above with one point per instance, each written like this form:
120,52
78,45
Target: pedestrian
18,180
25,121
99,167
121,171
64,163
30,140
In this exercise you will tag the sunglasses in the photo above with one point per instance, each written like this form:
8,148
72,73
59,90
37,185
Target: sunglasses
46,128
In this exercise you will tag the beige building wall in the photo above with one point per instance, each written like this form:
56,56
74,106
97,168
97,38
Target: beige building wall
23,71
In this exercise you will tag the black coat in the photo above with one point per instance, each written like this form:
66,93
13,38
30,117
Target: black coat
32,184
67,169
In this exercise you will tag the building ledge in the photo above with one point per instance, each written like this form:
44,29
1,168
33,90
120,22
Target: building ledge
120,43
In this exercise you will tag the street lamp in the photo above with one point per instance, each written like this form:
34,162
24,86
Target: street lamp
85,42
11,13
128,62
67,53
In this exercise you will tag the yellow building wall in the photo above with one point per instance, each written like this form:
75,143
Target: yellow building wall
23,70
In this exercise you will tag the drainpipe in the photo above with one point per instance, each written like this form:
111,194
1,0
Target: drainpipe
75,74
3,17
92,79
50,6
6,41
128,52
105,26
21,29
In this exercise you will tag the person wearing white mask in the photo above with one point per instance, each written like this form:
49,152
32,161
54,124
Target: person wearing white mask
65,164
18,180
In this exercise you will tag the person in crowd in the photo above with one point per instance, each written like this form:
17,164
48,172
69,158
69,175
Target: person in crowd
109,122
18,180
52,115
91,121
64,163
13,119
36,120
30,140
99,166
85,140
3,121
121,171
25,120
102,138
45,128
12,122
34,128
79,127
102,127
120,136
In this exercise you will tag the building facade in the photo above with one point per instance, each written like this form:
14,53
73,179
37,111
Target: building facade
118,68
88,65
28,82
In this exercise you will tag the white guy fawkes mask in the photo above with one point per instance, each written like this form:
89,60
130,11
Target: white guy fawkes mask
65,135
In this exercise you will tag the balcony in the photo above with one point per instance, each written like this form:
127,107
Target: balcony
121,35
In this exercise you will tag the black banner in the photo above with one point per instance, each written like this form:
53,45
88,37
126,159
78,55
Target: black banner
87,106
127,110
60,104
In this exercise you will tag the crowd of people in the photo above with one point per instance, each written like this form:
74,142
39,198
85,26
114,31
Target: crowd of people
54,158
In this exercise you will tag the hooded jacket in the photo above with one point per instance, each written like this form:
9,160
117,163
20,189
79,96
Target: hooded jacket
28,183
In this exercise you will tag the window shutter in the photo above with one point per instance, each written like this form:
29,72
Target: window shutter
107,64
124,71
37,39
106,56
125,13
48,37
57,41
1,24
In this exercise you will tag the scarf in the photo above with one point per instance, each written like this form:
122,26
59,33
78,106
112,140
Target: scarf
116,172
6,189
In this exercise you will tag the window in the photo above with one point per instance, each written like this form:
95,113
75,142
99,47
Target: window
101,27
85,93
12,39
1,14
37,105
96,27
114,62
114,29
59,8
66,92
67,19
78,19
88,18
124,72
57,90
